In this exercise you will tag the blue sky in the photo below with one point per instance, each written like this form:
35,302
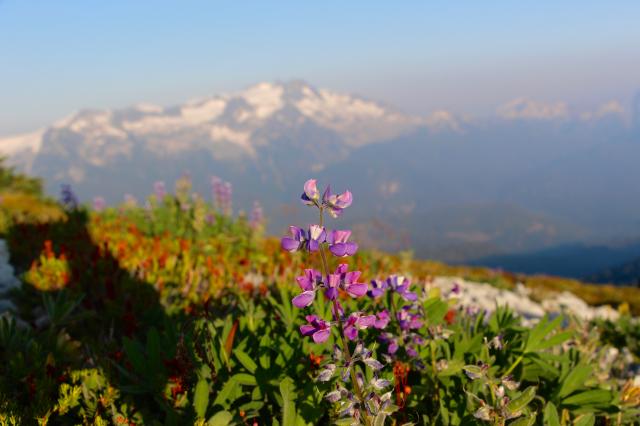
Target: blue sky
466,56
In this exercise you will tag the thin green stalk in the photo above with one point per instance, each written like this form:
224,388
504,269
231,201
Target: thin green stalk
514,365
345,343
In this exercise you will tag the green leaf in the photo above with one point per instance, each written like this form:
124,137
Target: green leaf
574,380
453,367
585,420
551,417
515,406
201,398
590,397
134,352
245,379
221,418
540,331
525,421
225,392
246,361
287,390
379,419
555,340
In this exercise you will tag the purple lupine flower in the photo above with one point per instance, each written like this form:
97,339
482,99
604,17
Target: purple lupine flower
408,320
411,351
227,198
160,189
300,238
347,280
357,321
378,288
295,242
68,197
338,244
216,189
391,341
256,218
336,203
382,319
455,289
315,236
222,195
308,283
401,286
311,195
318,329
333,284
99,204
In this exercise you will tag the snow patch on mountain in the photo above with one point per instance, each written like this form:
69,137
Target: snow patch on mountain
17,144
523,108
265,98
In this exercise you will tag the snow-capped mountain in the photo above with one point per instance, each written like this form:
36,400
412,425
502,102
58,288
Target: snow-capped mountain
532,176
229,126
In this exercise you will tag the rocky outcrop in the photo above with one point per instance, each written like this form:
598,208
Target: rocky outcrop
480,296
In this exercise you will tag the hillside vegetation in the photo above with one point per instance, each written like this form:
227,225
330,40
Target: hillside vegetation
179,312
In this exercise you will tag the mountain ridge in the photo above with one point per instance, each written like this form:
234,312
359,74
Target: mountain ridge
450,187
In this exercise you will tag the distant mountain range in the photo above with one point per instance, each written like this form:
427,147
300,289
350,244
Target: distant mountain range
533,177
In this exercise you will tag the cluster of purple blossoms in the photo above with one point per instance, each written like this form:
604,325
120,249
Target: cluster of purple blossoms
160,190
256,218
333,284
99,204
68,197
395,283
407,320
222,195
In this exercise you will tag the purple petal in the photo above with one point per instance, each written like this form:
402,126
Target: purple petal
304,299
339,249
289,244
344,200
339,236
409,296
308,280
352,277
375,292
331,293
351,248
366,321
313,245
342,269
307,330
357,289
311,189
351,332
321,335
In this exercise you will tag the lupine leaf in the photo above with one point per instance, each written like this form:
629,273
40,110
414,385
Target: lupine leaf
574,380
222,418
246,361
551,415
585,420
287,390
201,397
245,379
520,403
590,397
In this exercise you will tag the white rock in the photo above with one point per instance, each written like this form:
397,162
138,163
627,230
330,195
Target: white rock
482,296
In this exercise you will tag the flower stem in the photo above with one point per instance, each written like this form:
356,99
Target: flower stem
514,365
345,343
